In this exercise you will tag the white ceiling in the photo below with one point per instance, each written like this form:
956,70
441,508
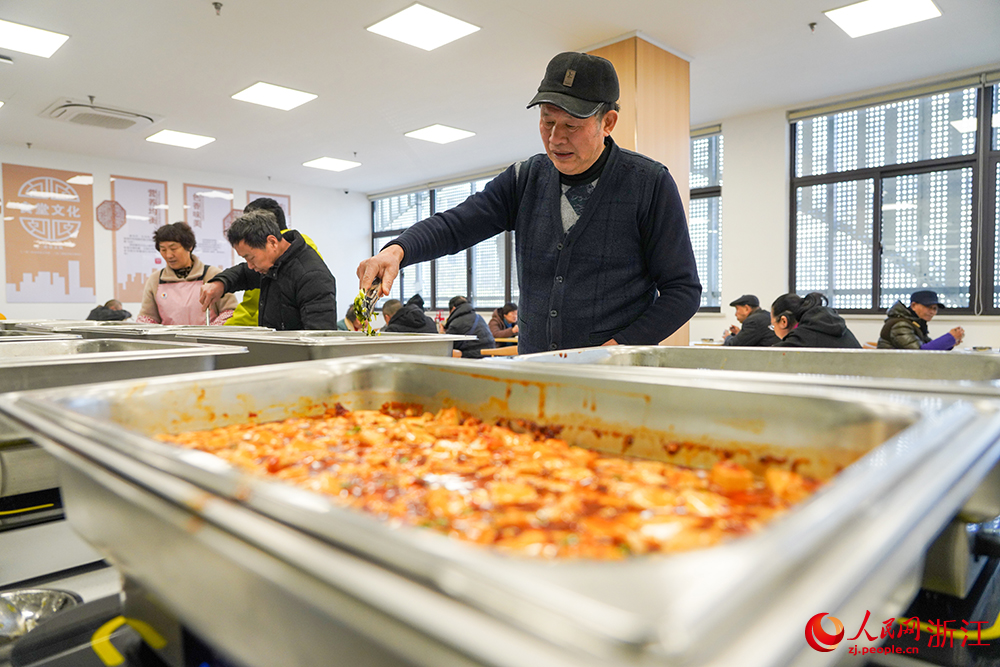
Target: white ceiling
178,60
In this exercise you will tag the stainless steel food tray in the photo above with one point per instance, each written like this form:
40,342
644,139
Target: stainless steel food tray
56,363
921,365
276,347
155,331
61,326
849,548
7,335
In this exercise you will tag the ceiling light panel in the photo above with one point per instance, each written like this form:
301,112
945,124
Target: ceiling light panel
181,139
440,134
33,41
331,164
871,16
276,97
423,27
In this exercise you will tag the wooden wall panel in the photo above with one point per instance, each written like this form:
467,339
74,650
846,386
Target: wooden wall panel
655,119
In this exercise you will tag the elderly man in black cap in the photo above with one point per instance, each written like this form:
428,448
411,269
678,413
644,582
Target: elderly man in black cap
603,253
756,331
905,327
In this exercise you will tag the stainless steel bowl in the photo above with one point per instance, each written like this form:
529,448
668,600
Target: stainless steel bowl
22,610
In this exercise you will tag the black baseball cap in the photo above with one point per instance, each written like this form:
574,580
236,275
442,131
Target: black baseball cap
926,297
747,300
578,83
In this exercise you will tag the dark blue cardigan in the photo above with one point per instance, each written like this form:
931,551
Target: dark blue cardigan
625,270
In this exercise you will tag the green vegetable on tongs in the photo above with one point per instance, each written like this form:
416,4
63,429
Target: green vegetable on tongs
364,307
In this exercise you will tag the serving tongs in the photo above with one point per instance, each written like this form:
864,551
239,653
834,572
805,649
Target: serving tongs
366,308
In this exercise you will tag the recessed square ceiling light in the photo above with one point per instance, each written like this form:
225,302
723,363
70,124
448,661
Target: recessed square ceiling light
81,180
440,134
182,139
423,27
276,97
870,16
1,104
331,164
32,41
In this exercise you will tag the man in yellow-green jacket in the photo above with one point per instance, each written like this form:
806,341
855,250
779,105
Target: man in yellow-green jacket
245,314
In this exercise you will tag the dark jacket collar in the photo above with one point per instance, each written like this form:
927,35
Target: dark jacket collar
296,248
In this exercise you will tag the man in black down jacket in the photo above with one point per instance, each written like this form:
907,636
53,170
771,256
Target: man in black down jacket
462,320
406,319
756,330
297,290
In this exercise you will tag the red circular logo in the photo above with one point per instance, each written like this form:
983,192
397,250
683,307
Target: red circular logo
820,639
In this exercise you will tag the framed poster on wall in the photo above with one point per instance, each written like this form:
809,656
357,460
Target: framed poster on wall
48,235
136,257
205,210
284,201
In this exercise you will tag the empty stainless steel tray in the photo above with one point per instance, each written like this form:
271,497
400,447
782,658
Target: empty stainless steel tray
275,347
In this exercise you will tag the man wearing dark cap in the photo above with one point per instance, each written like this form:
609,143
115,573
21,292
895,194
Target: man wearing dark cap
756,331
603,253
905,328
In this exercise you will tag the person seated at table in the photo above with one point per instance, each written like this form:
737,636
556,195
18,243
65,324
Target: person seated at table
756,330
297,290
350,321
407,318
808,322
905,327
503,324
462,319
416,300
171,295
111,311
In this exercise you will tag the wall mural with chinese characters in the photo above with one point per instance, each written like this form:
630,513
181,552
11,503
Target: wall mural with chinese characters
205,209
48,235
145,204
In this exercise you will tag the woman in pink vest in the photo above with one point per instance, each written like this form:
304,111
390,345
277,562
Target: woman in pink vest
171,294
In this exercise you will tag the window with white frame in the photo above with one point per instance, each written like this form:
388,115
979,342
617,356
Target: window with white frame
898,196
705,220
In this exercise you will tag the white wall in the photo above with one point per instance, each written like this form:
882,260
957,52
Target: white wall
755,203
339,223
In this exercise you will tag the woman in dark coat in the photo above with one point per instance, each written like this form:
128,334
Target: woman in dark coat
808,322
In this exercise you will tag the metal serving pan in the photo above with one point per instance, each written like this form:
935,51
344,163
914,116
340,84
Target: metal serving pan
855,545
61,326
58,361
154,331
7,335
981,367
276,347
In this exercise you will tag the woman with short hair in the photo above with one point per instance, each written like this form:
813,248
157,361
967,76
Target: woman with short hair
171,294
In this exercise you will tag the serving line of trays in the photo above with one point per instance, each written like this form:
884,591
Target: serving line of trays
227,554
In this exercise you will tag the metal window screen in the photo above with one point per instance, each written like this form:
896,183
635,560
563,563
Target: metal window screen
705,227
401,211
996,254
995,121
927,236
833,242
706,161
923,128
452,270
